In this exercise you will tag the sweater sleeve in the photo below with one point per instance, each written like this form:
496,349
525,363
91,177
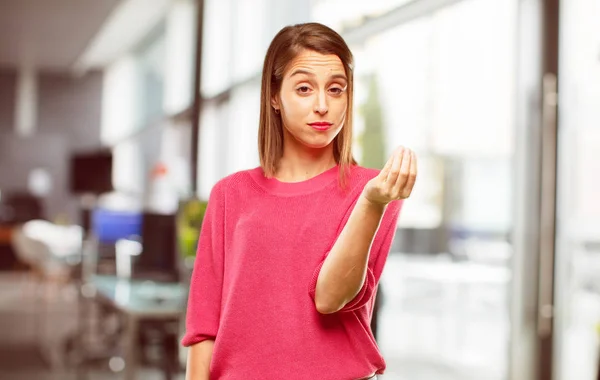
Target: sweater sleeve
204,300
379,251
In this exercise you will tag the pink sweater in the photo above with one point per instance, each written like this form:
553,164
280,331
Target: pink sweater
260,251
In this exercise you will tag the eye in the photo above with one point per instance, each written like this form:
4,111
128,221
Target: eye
303,89
336,90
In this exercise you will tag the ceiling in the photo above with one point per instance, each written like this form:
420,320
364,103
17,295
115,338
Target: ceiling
49,34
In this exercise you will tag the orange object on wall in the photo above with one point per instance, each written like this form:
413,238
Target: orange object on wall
5,235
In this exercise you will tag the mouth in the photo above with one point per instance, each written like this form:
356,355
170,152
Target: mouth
321,125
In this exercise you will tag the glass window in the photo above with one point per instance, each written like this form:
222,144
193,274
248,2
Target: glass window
473,79
128,167
180,56
340,13
120,100
151,59
442,85
577,308
217,47
229,136
242,145
249,28
213,146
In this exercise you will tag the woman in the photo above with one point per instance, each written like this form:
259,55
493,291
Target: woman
290,253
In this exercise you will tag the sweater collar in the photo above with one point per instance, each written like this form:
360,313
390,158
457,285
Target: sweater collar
275,186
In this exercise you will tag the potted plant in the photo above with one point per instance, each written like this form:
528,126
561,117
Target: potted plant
189,222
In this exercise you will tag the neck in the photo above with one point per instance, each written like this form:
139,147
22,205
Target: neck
301,163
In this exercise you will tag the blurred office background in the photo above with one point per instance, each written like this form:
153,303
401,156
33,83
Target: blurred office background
118,116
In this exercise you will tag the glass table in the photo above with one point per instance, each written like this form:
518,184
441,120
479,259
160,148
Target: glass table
137,300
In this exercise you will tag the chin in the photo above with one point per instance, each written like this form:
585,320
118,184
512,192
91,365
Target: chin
320,144
314,141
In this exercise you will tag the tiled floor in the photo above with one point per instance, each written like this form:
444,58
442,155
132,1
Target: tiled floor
20,359
423,333
429,329
438,326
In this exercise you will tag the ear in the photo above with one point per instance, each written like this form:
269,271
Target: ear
275,103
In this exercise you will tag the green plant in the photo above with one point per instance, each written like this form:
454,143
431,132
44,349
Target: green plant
372,139
189,222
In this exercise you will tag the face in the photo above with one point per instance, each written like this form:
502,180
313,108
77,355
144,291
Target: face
313,100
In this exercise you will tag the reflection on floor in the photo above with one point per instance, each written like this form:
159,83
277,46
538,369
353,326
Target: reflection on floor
449,321
19,357
580,338
444,320
440,320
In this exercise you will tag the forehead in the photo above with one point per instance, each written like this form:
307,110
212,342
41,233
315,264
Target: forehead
315,62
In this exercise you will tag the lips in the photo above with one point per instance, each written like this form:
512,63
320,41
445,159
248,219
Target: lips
321,125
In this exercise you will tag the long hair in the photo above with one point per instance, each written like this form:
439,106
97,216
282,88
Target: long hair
286,45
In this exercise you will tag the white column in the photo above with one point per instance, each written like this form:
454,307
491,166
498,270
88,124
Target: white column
26,102
180,56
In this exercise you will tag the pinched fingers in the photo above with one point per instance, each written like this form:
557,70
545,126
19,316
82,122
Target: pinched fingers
406,190
402,174
394,171
402,178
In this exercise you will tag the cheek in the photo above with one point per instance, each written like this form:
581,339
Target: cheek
341,108
296,105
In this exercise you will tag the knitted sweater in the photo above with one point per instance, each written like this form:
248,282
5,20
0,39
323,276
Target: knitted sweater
261,248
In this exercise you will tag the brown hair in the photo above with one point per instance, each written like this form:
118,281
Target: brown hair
286,45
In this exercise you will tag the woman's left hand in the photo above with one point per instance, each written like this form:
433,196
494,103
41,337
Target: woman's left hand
396,179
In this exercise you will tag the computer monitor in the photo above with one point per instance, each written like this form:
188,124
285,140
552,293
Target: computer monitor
91,173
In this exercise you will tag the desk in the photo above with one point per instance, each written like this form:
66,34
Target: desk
138,300
142,298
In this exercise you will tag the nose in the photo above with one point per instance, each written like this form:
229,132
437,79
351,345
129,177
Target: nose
321,106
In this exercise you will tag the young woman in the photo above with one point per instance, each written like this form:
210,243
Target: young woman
290,253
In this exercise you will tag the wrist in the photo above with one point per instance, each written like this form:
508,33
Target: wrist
370,204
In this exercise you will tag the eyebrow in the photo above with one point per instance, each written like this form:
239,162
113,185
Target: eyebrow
305,72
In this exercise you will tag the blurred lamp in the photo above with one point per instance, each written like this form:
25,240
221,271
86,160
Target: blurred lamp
39,182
